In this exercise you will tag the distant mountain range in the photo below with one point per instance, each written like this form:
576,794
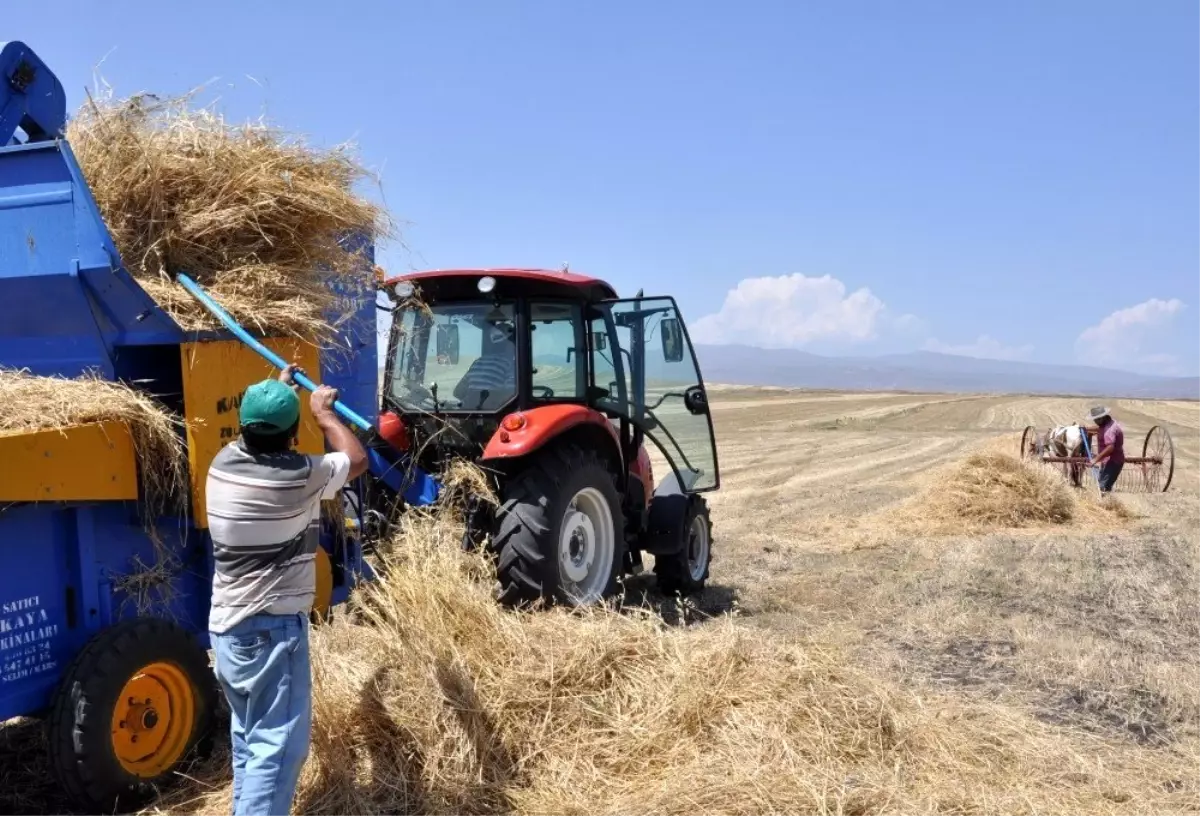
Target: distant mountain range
930,372
922,371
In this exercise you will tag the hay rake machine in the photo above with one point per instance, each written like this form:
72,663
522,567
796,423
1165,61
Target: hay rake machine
1152,471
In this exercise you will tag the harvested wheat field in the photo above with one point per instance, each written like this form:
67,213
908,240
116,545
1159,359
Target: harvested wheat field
901,619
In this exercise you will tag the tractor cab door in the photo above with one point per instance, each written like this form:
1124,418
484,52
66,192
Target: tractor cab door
644,371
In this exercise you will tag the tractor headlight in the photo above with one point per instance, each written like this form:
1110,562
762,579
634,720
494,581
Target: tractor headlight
487,284
403,289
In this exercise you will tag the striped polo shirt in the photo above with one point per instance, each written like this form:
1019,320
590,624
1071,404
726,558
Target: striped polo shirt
264,515
494,374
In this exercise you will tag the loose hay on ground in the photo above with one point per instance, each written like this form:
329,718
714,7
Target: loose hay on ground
438,701
29,402
251,214
989,491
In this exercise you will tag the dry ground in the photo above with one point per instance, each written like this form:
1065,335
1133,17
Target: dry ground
1092,628
1086,637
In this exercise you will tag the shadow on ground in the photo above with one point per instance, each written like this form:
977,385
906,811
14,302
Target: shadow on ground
641,592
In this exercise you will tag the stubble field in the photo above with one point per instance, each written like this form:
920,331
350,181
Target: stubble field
1043,668
1091,628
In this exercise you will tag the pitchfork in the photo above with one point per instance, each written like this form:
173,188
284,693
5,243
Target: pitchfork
1087,451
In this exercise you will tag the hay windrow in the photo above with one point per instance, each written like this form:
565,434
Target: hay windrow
253,215
29,402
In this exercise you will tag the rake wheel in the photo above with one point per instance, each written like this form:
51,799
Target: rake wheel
1158,459
1029,443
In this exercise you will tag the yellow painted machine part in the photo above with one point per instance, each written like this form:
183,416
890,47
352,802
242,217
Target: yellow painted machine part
215,373
153,720
324,595
90,462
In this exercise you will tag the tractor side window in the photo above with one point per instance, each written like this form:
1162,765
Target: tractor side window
559,355
604,368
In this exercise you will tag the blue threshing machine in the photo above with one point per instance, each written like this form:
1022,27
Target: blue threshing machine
118,666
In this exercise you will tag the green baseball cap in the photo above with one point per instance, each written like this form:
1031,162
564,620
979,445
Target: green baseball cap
270,404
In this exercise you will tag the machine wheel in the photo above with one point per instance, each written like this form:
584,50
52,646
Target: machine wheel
560,533
686,571
1160,449
1029,443
135,701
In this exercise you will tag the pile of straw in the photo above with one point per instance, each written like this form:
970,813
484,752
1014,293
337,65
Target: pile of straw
29,402
997,490
253,216
431,699
990,491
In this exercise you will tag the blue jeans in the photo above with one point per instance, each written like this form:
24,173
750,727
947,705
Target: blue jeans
1109,472
262,665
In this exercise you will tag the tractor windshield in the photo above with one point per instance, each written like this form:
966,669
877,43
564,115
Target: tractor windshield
453,357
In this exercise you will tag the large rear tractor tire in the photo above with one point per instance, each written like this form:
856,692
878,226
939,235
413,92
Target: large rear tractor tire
136,701
686,571
560,533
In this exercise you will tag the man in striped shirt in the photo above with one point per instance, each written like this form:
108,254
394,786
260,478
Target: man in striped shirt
263,506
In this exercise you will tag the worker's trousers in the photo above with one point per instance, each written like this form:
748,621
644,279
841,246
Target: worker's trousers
263,666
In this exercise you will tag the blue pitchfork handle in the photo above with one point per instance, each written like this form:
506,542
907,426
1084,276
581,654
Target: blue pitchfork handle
419,488
1088,453
300,379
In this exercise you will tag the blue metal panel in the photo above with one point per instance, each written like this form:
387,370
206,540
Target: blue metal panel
352,366
31,97
123,552
65,301
40,629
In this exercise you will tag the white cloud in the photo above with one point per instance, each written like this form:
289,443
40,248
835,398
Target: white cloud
794,311
1126,338
984,347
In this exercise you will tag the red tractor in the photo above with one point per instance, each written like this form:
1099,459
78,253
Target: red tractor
551,383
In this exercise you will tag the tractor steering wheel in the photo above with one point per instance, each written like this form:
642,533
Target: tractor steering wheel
548,393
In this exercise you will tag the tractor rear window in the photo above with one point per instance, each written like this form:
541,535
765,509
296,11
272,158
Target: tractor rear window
454,357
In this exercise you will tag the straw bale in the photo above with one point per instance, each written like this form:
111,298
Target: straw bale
29,402
252,214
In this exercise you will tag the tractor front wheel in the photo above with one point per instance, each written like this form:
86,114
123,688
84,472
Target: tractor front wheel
686,571
560,533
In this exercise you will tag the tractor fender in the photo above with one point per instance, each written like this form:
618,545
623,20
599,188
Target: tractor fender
523,432
668,513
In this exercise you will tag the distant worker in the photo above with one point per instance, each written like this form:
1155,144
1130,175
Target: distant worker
493,375
1110,442
263,505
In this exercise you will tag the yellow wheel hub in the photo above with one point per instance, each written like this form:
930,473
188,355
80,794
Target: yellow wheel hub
153,720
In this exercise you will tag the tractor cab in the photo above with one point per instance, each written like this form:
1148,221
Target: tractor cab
517,369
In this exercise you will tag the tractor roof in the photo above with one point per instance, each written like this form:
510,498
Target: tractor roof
453,283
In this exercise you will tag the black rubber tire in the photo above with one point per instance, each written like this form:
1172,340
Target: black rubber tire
79,737
671,571
533,502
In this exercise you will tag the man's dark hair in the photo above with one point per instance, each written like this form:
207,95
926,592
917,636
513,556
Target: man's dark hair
259,439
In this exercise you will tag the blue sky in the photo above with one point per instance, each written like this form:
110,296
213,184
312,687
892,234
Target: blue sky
1015,180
